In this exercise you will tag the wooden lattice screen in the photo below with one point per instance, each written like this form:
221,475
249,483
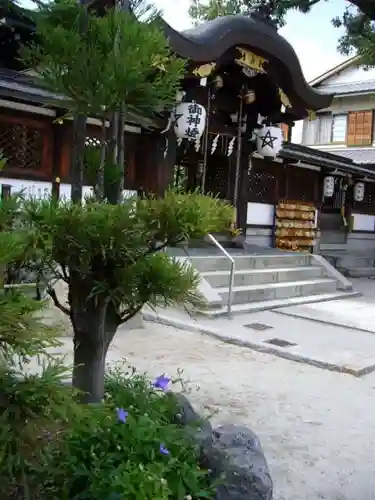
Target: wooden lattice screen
302,184
92,142
26,144
263,183
217,176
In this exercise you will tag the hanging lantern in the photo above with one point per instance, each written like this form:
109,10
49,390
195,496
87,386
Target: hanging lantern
329,186
189,121
269,141
359,191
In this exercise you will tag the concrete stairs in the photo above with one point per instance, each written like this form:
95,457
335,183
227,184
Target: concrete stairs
264,282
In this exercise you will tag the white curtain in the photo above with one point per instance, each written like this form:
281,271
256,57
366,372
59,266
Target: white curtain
309,132
339,128
325,129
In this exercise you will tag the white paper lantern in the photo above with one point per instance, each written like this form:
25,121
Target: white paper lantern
359,191
269,141
329,186
189,121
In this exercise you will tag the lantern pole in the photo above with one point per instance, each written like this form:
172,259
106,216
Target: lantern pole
238,155
205,142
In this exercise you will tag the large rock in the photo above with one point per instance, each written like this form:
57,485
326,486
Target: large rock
237,456
232,453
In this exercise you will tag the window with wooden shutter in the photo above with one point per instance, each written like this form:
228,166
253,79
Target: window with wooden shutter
360,128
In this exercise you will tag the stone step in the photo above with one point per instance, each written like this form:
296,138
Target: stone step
219,279
222,263
358,272
275,304
348,261
355,261
274,291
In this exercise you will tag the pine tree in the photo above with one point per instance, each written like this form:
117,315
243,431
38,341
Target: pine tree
30,403
111,255
119,64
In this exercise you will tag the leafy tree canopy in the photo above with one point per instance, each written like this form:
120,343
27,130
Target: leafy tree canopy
357,19
115,60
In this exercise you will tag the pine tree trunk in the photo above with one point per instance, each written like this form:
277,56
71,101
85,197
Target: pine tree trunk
94,329
121,153
103,151
77,162
89,368
112,150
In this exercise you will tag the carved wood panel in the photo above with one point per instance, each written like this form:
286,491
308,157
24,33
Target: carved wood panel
27,146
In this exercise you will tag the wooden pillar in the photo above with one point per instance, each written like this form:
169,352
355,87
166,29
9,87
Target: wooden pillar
5,191
243,191
57,158
64,146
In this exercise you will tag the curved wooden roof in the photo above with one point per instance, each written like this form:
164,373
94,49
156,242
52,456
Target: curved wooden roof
211,40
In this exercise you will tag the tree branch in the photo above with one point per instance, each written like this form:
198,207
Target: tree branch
365,6
51,292
131,314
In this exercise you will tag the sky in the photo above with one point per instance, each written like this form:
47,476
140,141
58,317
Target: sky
313,37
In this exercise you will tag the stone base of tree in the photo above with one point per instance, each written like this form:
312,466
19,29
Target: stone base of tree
232,453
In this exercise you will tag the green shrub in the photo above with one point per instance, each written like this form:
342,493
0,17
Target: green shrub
126,447
32,406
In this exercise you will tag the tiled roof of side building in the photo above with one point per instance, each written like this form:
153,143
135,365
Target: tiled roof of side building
348,88
358,155
22,86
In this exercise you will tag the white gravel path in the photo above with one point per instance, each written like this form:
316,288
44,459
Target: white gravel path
317,427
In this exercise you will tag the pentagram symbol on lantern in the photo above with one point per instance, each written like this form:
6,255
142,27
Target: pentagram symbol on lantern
267,140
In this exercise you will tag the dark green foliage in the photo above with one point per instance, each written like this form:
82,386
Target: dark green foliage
96,456
112,252
112,261
96,77
22,334
29,404
52,447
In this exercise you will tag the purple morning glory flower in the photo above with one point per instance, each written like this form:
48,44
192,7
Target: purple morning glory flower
164,450
122,415
161,382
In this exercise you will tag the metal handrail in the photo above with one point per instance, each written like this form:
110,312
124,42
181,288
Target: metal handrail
232,269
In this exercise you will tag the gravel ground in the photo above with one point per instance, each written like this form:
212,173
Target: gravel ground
317,427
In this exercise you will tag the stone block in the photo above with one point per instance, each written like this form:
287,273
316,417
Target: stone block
232,453
236,455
